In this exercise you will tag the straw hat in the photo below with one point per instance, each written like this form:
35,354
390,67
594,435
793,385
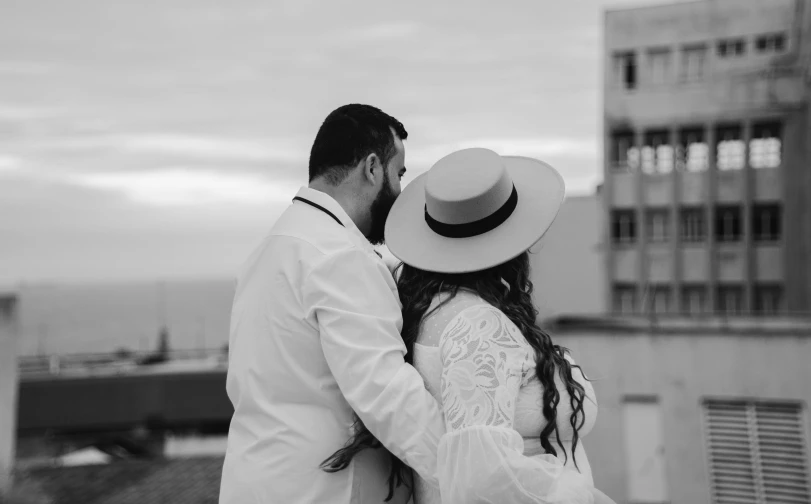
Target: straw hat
473,210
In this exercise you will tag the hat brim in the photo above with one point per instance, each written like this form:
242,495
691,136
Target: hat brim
540,195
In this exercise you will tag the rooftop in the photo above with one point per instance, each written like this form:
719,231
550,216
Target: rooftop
651,6
682,324
179,481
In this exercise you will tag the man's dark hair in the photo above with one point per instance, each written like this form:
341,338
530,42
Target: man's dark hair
348,135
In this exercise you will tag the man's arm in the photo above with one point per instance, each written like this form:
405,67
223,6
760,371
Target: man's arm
359,321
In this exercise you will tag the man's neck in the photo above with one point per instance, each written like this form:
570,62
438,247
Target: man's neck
347,198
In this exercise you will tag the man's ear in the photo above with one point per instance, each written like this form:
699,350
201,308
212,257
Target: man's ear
371,165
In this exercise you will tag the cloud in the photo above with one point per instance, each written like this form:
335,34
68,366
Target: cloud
537,147
186,186
383,31
208,147
211,147
9,163
542,147
13,67
16,112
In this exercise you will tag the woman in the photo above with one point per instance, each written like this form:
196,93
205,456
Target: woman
515,405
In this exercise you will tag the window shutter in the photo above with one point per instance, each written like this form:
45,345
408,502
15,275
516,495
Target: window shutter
782,452
757,453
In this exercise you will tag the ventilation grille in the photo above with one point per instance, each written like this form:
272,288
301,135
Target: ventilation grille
757,453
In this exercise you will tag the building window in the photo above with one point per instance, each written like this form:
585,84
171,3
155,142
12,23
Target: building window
694,299
767,299
771,43
623,226
694,153
692,225
728,223
757,451
765,147
624,155
729,300
624,298
657,225
657,299
766,220
731,149
657,153
730,48
659,66
693,59
644,450
625,69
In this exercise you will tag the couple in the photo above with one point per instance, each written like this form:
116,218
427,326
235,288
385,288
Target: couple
344,378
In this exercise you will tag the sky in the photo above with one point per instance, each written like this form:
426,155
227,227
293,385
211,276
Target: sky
160,139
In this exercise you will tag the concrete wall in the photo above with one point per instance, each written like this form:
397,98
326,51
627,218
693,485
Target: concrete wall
680,370
731,85
687,22
567,267
8,387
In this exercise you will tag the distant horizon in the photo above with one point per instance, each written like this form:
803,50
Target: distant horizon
11,286
119,281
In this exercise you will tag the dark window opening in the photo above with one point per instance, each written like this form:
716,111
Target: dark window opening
694,299
657,299
728,223
766,225
771,43
624,298
623,226
624,155
767,299
729,300
731,47
693,227
626,68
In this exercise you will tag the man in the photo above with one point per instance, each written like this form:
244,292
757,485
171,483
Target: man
315,334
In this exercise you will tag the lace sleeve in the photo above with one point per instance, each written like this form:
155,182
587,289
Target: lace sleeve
480,459
482,367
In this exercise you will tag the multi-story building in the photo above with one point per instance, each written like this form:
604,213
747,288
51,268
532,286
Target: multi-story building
708,158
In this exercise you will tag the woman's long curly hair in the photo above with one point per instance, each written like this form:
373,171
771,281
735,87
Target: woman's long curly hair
507,287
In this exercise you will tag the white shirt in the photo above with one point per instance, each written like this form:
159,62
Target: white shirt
315,334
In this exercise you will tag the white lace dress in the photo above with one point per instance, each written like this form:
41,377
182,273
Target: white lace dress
481,370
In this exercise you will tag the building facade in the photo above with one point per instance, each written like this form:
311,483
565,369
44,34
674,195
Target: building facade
697,412
567,266
8,387
707,158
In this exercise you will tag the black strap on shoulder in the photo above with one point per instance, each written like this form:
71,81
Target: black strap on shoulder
316,205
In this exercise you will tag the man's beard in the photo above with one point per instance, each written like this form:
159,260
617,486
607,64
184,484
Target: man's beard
381,207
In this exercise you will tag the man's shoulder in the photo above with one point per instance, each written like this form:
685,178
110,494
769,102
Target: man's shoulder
306,230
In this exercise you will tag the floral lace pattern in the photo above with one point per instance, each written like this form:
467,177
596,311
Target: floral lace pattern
484,358
480,367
